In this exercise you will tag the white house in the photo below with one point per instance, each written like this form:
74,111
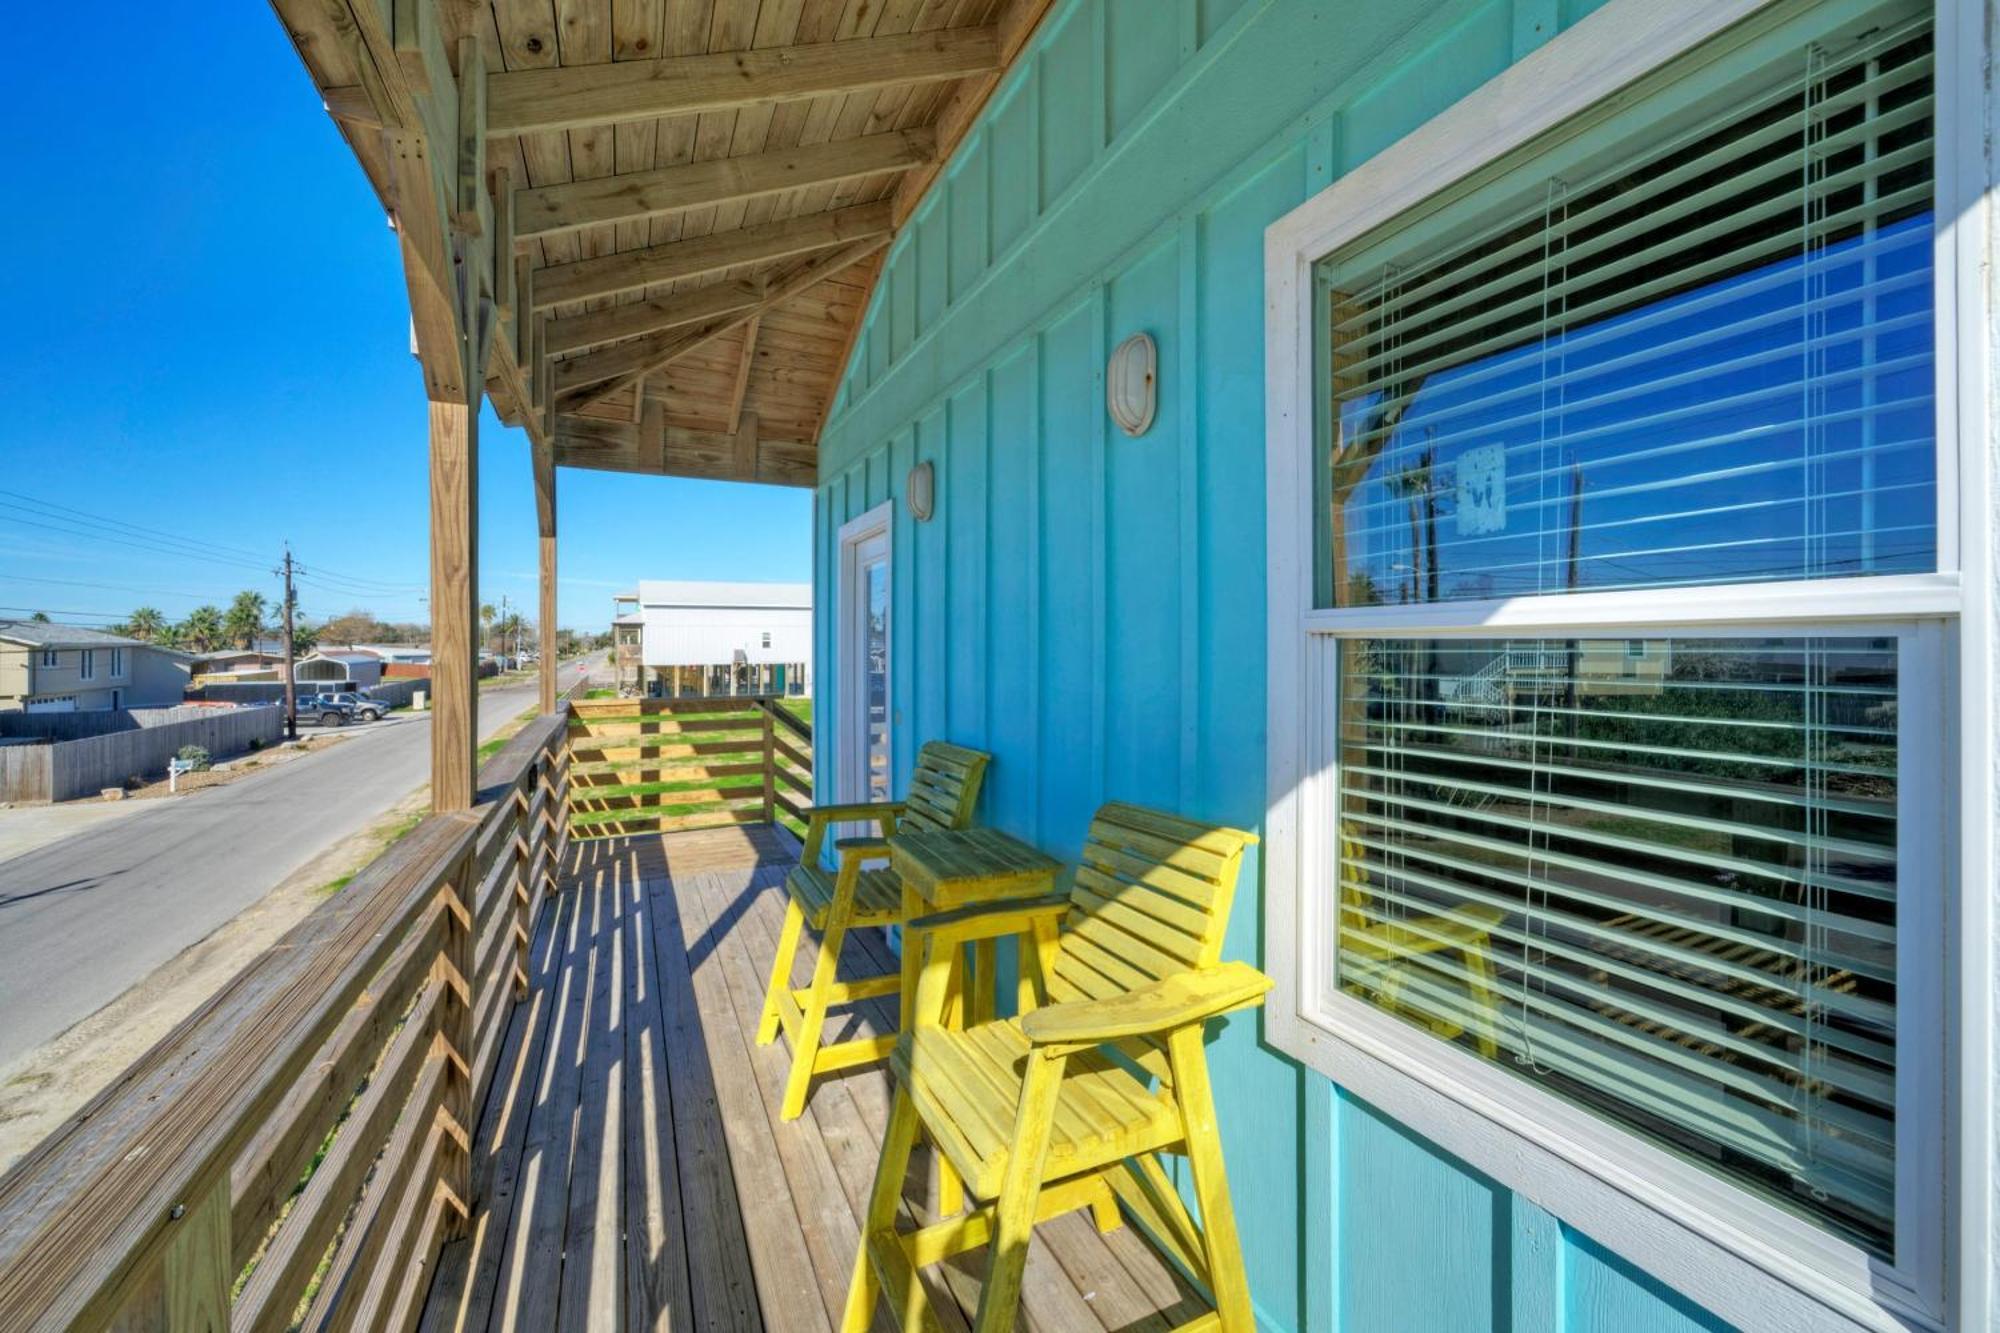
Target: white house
725,638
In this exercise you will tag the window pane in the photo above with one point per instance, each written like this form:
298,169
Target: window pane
1711,364
1661,884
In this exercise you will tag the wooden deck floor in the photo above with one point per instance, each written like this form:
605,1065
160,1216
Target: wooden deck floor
630,1169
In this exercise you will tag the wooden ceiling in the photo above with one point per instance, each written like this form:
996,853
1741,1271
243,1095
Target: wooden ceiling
680,206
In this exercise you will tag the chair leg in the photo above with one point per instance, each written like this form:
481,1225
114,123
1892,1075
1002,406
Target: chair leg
1226,1278
805,1042
781,970
864,1288
1014,1210
1485,999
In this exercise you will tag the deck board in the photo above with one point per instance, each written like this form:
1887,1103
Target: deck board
630,1168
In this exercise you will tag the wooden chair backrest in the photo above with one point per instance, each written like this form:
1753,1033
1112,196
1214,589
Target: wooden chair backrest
1151,899
944,790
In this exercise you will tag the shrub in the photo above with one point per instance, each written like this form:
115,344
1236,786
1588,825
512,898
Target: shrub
196,755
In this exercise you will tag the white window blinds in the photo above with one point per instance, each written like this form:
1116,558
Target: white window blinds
1709,362
1664,887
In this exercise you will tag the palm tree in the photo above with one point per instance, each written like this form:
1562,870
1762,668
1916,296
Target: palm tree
305,638
203,628
486,615
40,618
146,623
245,621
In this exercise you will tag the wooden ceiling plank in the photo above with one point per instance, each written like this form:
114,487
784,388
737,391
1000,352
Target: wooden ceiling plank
527,101
584,203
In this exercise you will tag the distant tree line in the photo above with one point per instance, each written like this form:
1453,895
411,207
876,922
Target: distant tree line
209,628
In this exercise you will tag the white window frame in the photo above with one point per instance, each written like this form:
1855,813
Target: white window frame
117,664
86,664
1720,1244
851,738
51,658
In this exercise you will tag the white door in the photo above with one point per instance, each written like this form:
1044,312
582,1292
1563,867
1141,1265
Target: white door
864,610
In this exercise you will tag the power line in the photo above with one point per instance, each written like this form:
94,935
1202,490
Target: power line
134,527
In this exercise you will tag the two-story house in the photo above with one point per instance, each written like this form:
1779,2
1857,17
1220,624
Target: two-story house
50,668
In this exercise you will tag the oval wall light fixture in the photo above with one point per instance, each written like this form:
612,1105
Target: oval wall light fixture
1131,383
920,492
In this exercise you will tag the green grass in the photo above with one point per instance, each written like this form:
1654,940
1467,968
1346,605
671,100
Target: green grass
600,693
493,747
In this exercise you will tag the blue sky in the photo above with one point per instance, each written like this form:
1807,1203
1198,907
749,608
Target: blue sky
210,337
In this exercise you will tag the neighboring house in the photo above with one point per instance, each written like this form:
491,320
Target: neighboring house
68,668
405,653
627,667
725,638
238,664
329,672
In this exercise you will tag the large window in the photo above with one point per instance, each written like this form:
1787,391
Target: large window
1617,657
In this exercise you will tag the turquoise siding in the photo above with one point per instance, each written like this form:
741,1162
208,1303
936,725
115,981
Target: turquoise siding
1090,607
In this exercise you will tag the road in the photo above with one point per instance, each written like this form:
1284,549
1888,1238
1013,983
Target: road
84,918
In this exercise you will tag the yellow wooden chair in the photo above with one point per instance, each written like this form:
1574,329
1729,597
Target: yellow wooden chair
1066,1106
1377,953
943,792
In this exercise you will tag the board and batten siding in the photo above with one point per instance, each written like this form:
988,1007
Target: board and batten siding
1090,607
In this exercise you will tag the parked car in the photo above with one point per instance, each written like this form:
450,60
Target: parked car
365,708
323,709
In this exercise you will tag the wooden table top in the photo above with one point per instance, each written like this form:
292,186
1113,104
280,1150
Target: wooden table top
959,866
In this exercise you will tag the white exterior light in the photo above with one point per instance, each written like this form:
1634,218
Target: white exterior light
920,492
1131,382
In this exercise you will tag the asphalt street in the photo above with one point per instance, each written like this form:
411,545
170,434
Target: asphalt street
84,918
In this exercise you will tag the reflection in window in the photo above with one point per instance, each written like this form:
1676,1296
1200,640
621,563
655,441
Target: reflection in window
1712,364
1670,896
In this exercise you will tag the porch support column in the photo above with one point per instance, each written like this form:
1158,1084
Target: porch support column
545,512
454,601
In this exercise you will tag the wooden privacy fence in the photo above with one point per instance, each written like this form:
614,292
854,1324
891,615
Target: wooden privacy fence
660,765
65,769
298,1149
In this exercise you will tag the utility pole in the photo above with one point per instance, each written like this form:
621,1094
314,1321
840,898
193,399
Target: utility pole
291,690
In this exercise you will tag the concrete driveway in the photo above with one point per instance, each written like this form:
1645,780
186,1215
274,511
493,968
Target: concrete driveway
83,918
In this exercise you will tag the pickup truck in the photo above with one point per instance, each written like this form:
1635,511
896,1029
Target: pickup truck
363,707
324,709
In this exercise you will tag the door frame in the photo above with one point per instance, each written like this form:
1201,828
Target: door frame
851,729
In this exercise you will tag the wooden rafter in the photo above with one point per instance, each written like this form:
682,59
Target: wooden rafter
594,375
633,321
631,196
744,360
631,270
652,447
531,101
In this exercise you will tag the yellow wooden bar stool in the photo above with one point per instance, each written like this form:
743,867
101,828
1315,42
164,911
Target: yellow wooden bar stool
1043,1113
943,792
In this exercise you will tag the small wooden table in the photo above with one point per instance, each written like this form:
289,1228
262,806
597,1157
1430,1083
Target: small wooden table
960,868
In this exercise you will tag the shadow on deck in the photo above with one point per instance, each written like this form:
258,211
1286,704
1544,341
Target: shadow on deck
630,1169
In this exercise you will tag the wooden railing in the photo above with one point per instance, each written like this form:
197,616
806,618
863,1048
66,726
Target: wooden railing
662,765
296,1151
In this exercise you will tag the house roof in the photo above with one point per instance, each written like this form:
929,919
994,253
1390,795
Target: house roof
48,634
673,592
697,298
345,659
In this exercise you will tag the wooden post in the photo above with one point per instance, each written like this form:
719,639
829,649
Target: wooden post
770,762
456,974
454,601
545,513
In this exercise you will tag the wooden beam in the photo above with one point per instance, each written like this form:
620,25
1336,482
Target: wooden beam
635,195
743,364
531,101
471,195
746,447
613,275
454,599
1016,24
545,516
586,378
654,449
631,321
